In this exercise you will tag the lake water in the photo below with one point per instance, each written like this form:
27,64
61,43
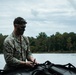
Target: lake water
58,58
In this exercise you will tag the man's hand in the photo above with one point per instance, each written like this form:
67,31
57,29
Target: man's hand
35,62
30,64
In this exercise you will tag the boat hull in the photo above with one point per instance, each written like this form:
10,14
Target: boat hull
46,68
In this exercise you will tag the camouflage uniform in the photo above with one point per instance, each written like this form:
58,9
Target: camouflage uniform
16,51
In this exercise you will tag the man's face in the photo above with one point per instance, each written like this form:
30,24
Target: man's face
20,29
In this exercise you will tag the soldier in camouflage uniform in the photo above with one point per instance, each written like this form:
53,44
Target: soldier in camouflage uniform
16,47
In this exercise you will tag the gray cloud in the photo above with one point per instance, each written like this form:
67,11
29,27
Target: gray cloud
34,12
72,3
42,15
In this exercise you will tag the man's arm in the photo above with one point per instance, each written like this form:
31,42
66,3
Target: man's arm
8,54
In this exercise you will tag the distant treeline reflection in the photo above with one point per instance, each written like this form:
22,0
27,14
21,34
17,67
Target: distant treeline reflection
58,42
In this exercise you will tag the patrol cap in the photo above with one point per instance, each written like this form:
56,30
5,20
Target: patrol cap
19,21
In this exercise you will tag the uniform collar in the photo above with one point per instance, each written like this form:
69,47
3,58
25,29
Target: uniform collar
17,38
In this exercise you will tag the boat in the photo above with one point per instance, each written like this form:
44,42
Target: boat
46,68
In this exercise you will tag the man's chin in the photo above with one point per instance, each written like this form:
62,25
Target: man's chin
21,33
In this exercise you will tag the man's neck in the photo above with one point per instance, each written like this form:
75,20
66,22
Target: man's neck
17,35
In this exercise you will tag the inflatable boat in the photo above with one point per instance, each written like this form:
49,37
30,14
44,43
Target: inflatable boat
46,68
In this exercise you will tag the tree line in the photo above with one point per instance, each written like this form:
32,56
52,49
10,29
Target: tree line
56,43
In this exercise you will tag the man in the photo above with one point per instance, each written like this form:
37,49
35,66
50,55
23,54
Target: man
16,47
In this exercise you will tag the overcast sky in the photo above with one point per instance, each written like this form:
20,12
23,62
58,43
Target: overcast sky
49,16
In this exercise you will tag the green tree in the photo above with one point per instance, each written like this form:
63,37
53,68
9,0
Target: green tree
41,42
58,41
32,44
1,42
69,45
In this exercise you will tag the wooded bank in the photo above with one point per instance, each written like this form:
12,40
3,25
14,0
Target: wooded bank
56,43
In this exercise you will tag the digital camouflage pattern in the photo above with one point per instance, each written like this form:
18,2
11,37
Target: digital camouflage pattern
16,51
